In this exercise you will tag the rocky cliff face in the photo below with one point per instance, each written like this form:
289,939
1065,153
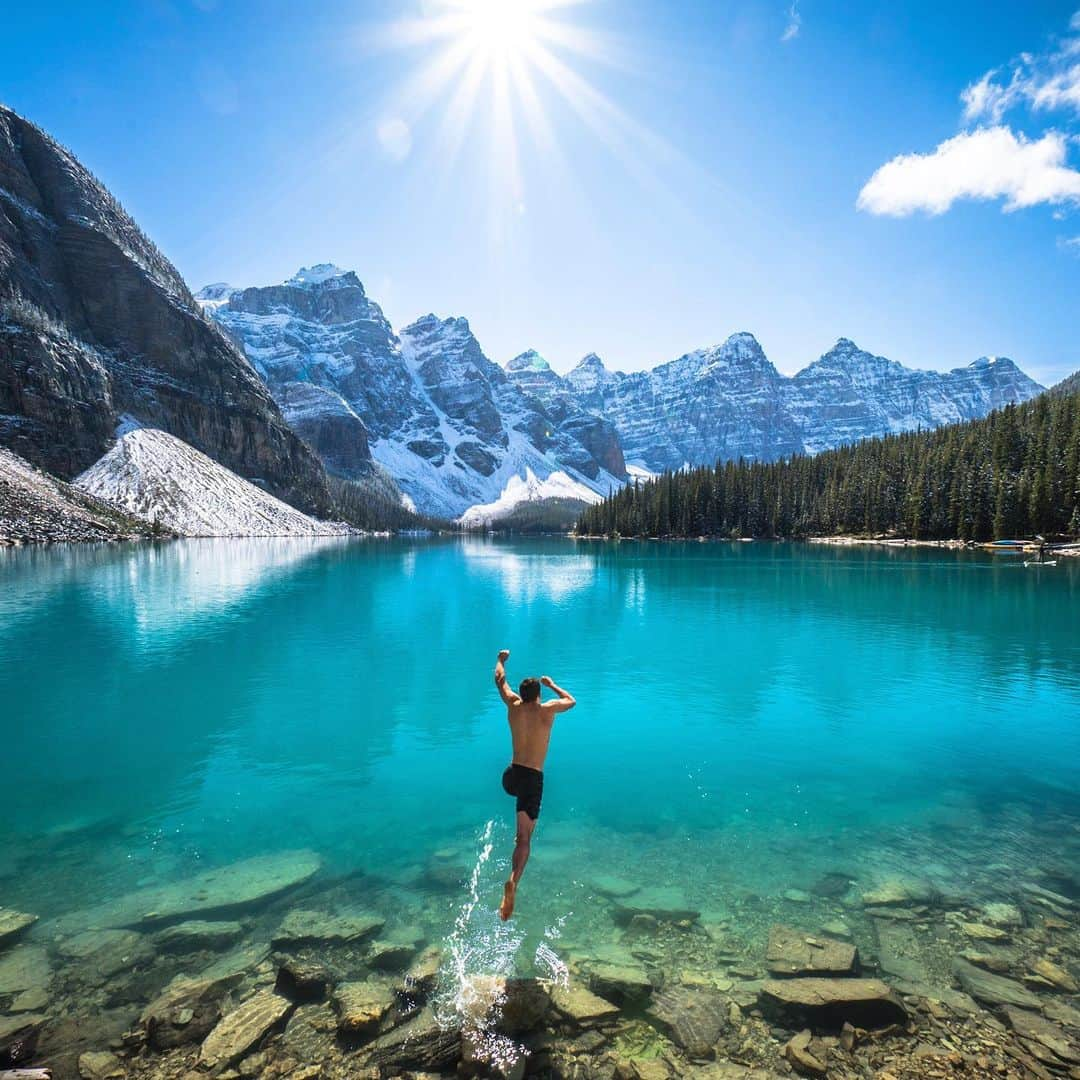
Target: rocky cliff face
730,402
445,421
96,324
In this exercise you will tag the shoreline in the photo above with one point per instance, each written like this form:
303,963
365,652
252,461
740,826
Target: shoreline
1073,550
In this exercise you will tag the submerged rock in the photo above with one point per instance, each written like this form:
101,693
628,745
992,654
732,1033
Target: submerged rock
992,989
792,952
694,1019
664,904
394,952
620,983
361,1008
185,1011
303,980
999,913
420,1043
243,1029
1055,975
899,891
13,923
18,1037
303,927
197,935
1029,1025
826,1004
226,890
101,954
581,1007
800,1052
100,1065
25,967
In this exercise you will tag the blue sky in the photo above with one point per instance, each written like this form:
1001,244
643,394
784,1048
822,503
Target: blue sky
699,171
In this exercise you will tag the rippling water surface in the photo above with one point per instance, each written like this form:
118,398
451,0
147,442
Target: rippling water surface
752,717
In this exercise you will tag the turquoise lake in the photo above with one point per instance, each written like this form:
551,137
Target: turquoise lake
752,719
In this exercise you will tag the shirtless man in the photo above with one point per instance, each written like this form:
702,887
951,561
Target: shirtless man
530,729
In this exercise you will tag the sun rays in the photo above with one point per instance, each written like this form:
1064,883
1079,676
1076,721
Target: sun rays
501,68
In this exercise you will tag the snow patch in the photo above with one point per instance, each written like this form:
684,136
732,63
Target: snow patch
525,489
152,475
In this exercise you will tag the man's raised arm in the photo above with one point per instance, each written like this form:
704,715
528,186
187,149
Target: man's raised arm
500,679
566,700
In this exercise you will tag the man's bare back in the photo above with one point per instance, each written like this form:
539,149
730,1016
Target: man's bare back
530,722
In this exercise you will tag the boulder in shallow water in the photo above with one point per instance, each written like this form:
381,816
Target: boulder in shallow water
13,923
693,1018
241,1030
621,983
224,891
303,980
826,1004
361,1008
197,935
900,891
800,1051
184,1012
98,955
301,927
1055,975
421,1043
525,1004
581,1007
664,904
100,1065
999,913
395,951
18,1037
793,952
992,989
25,967
1029,1025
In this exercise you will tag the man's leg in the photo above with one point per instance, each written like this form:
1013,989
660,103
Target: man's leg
522,847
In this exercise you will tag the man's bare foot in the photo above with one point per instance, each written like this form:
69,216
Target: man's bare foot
506,908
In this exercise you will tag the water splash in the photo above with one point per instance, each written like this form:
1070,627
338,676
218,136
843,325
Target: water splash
479,957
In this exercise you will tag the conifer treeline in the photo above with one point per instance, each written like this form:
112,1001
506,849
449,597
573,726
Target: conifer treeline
1011,474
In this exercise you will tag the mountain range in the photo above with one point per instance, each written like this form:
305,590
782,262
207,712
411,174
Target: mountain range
454,429
115,377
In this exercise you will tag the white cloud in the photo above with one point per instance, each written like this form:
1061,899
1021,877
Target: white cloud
1070,243
1043,81
988,163
395,137
794,23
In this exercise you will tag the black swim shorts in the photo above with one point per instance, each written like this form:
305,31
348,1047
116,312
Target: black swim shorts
527,785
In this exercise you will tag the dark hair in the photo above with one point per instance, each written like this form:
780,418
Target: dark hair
529,689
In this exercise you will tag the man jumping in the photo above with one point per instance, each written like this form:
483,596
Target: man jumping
530,730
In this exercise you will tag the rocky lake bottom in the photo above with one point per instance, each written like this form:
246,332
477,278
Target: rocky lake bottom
945,948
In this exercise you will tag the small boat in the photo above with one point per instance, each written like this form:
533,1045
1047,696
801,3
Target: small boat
1045,562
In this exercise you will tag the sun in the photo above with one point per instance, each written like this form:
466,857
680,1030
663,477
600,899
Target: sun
500,29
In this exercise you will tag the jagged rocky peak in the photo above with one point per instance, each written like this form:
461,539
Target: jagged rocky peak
324,276
739,350
845,356
530,360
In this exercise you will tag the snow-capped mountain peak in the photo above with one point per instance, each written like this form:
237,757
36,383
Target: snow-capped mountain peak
325,275
530,360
